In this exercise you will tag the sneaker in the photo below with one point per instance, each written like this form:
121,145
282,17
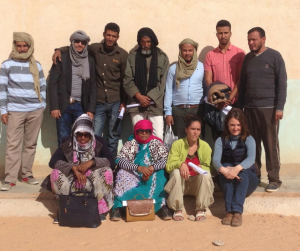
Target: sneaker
102,217
30,180
272,187
55,221
7,186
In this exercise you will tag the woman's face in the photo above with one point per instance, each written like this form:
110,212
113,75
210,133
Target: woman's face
234,127
83,137
144,134
193,131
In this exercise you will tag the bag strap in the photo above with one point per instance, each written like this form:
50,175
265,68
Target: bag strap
87,193
139,194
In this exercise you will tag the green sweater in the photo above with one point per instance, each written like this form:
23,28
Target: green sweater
179,152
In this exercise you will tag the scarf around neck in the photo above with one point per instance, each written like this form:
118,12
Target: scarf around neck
80,60
183,69
27,57
83,152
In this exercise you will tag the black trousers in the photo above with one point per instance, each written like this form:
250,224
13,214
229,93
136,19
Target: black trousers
264,128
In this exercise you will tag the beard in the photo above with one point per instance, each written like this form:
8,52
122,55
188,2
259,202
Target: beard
146,51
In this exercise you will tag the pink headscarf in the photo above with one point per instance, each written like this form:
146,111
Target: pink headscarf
144,124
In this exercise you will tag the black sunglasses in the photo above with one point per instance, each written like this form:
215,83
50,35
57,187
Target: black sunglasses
81,134
143,131
78,41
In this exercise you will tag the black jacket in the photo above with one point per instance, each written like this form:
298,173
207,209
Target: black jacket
60,86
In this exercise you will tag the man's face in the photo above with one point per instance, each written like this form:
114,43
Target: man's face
21,47
110,38
255,42
187,52
79,45
145,43
223,35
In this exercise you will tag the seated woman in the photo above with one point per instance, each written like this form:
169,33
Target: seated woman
83,155
184,180
141,164
234,158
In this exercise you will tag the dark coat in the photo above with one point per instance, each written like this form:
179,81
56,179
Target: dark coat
60,85
65,153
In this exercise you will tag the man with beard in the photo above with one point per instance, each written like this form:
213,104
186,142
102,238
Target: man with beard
184,87
22,104
262,95
110,60
224,63
145,80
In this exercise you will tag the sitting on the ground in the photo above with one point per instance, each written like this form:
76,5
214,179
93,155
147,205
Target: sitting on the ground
83,155
184,180
234,158
141,170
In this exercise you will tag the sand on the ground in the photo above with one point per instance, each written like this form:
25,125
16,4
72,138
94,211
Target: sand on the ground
258,232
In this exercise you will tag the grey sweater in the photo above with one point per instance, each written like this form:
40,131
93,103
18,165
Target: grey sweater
263,80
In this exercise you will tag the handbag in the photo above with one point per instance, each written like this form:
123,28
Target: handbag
140,210
79,209
169,137
214,118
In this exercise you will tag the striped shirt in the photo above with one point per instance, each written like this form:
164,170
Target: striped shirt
17,88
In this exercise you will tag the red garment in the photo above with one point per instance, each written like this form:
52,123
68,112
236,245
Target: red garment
144,124
195,161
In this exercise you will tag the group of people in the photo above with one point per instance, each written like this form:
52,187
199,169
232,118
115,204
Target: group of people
90,84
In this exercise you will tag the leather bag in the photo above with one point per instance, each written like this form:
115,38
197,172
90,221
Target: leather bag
140,210
79,209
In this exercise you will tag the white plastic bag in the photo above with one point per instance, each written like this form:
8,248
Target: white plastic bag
169,137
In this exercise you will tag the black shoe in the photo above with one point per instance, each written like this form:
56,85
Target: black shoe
166,213
115,215
272,187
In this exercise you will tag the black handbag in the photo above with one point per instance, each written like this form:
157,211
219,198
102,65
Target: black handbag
79,209
214,118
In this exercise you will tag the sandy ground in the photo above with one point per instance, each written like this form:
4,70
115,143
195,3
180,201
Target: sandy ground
259,232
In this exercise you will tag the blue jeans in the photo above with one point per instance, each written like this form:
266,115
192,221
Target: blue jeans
235,191
103,112
65,122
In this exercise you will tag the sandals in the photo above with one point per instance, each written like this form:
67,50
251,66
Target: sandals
201,214
166,213
178,215
115,215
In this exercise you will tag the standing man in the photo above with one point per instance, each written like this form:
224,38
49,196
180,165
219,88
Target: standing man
145,80
110,60
184,87
22,103
72,85
263,95
224,63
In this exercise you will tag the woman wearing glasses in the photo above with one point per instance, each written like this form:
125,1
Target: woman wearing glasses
141,163
83,155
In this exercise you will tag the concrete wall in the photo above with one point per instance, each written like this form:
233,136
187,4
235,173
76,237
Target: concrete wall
51,22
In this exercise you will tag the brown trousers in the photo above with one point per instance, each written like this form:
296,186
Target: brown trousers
22,129
200,186
263,128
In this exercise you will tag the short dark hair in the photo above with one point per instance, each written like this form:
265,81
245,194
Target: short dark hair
190,118
112,27
238,115
261,31
223,23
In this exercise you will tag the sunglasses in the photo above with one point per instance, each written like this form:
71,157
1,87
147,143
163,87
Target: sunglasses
140,131
81,134
78,41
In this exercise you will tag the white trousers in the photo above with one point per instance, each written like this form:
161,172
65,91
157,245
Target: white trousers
156,120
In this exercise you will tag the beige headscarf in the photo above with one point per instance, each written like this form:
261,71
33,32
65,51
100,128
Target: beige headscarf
183,69
27,57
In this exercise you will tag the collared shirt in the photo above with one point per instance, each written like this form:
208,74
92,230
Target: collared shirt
225,67
190,90
17,89
110,71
